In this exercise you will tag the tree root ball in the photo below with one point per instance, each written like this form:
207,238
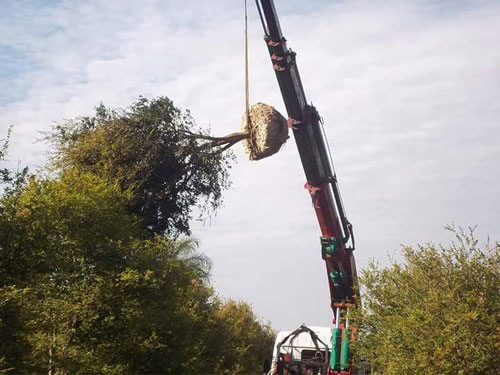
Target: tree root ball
268,131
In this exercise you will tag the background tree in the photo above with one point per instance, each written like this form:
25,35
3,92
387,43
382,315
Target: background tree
11,181
436,312
92,277
55,235
4,144
82,291
10,184
238,342
144,148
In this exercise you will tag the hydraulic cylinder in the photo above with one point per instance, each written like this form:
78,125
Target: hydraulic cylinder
336,348
345,356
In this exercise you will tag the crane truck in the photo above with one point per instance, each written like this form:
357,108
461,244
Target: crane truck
294,353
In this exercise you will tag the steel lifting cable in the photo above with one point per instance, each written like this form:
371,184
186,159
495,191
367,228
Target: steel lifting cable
223,143
247,84
262,130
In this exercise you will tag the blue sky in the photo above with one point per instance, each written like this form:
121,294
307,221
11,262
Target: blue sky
13,64
408,90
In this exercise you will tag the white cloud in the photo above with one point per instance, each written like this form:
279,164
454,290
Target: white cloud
408,90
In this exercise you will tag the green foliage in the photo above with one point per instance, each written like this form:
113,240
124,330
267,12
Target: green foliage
4,172
76,224
55,236
14,181
81,291
437,312
146,318
144,149
89,283
238,342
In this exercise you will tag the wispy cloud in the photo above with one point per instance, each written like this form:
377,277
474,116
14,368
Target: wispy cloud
408,91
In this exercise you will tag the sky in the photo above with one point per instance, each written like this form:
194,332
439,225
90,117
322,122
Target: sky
408,90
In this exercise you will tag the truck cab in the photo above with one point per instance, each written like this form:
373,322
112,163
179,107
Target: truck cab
304,351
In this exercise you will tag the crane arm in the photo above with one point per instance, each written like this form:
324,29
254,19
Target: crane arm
337,240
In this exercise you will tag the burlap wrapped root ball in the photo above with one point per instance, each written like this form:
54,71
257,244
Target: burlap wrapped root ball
267,130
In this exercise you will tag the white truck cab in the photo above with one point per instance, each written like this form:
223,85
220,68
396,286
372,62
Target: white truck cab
303,351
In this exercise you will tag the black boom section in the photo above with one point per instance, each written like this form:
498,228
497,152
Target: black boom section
307,129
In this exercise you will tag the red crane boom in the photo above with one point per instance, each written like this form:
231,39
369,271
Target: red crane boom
337,239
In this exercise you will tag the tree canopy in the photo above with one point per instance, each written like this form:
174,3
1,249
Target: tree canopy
10,181
145,149
4,144
82,291
94,276
436,312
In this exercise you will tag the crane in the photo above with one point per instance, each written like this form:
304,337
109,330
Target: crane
337,238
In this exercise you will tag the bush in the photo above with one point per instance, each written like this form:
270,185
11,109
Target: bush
436,312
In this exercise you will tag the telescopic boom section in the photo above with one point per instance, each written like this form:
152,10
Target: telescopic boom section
337,241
